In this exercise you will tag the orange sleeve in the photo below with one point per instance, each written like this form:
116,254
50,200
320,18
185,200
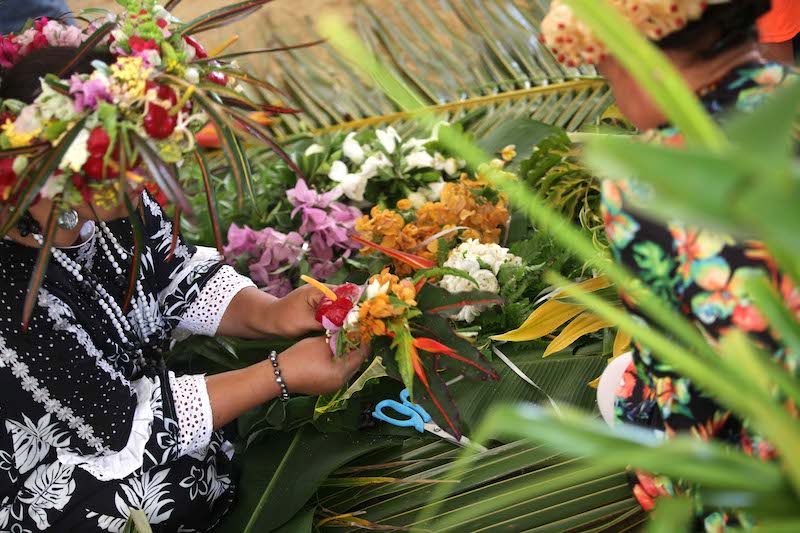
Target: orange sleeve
782,23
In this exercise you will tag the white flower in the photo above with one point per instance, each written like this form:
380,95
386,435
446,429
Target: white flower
374,163
192,74
486,281
20,164
375,288
77,154
28,121
315,149
449,165
53,186
352,150
468,313
434,192
351,321
419,159
352,185
417,199
53,105
388,139
338,171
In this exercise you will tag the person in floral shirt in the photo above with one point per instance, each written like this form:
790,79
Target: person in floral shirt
700,272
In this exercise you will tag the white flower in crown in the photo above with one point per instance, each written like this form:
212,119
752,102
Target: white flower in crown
53,186
388,139
434,191
352,149
77,154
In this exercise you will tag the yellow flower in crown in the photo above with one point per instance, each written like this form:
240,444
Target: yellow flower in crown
129,79
16,138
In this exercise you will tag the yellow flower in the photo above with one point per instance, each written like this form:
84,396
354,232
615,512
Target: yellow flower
404,204
130,76
17,139
509,152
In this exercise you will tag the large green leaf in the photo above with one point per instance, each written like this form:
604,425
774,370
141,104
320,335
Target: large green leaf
515,487
282,472
563,377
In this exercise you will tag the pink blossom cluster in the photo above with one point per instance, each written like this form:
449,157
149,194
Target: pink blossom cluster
323,239
43,33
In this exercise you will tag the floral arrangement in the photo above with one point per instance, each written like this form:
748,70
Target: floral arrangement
312,219
131,121
468,209
319,245
404,321
379,167
480,264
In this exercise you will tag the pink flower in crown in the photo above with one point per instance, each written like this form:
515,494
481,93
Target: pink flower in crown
9,51
241,241
323,270
58,34
32,38
277,250
89,92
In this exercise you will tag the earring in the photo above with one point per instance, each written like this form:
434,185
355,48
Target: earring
67,219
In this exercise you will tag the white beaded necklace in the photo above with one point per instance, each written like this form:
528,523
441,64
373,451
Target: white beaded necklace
105,300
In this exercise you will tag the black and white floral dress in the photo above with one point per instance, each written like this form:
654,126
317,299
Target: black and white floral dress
87,432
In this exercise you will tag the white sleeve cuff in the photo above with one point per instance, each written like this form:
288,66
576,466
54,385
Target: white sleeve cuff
193,410
204,314
121,464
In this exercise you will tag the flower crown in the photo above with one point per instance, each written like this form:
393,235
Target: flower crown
573,43
131,121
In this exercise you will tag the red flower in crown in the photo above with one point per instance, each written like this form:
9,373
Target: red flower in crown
7,176
9,52
139,45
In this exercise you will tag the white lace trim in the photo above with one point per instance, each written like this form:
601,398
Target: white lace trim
204,257
10,359
204,314
59,312
125,462
193,410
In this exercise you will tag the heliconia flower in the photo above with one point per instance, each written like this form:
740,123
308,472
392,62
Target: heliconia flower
410,259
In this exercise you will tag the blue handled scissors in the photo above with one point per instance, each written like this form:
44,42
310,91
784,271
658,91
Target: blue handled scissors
418,418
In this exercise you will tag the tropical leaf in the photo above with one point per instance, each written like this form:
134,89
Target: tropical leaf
584,324
211,198
234,55
91,42
433,299
546,318
40,268
337,400
282,472
221,17
162,173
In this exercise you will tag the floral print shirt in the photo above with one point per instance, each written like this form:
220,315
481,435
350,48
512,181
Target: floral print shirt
701,274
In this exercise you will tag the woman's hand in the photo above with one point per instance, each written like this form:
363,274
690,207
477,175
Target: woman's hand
253,314
309,367
295,312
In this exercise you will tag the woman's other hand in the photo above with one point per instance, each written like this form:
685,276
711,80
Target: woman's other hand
310,368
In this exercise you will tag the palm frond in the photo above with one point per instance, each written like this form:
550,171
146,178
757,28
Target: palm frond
488,51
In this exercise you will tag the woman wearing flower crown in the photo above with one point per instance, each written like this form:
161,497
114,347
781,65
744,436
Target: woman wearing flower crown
714,46
95,281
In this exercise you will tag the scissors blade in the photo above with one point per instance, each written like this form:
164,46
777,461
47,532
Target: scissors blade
439,432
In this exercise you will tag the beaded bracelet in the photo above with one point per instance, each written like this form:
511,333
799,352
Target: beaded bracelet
273,357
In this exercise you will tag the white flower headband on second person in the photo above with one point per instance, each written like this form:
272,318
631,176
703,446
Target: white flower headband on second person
574,43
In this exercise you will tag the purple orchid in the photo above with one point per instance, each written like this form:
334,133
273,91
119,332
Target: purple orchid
88,93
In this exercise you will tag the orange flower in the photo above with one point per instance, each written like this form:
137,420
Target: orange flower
404,204
462,204
406,291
